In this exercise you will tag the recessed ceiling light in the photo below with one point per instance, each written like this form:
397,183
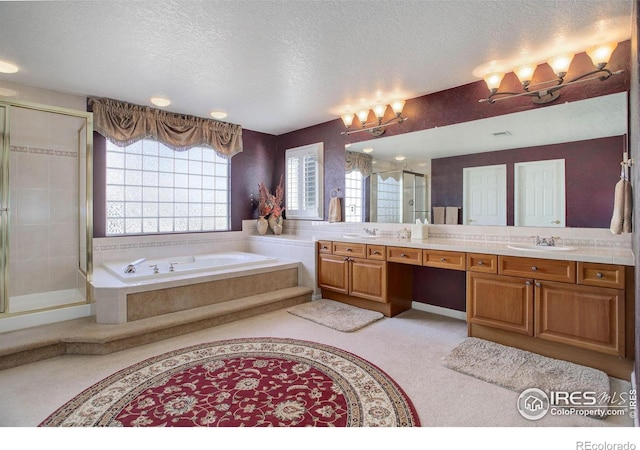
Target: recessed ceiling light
399,158
367,150
159,101
218,114
6,67
4,92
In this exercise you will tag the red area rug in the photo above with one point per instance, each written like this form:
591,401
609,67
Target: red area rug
244,382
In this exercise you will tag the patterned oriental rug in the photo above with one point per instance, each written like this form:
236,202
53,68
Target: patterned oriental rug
254,382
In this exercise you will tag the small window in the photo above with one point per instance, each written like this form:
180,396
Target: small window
304,189
353,196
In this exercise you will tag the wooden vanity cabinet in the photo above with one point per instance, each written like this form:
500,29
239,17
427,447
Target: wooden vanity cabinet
356,276
582,316
359,274
562,309
500,302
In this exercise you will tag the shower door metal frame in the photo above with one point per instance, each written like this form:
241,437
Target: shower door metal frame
5,200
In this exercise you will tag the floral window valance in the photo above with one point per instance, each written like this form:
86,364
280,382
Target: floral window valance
124,123
358,161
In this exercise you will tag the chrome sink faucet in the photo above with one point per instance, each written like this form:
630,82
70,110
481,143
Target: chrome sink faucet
371,232
546,242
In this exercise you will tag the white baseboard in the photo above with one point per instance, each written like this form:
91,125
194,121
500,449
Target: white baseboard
440,310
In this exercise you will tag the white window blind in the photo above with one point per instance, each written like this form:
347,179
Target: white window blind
304,186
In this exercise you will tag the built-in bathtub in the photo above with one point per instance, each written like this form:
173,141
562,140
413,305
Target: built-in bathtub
177,266
195,280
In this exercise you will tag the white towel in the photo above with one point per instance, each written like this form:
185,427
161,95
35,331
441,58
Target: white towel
335,210
451,215
438,214
622,205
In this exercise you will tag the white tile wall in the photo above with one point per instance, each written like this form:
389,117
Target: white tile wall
43,218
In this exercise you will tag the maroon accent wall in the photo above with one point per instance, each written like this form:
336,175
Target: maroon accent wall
440,287
99,185
592,169
256,163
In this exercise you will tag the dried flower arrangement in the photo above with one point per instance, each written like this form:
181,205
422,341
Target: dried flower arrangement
269,203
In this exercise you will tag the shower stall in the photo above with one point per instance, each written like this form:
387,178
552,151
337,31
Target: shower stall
398,196
45,209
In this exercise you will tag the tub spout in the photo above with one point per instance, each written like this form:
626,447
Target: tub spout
131,267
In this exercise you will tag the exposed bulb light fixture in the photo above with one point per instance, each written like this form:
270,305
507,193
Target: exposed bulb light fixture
399,158
548,91
7,67
367,149
376,128
160,101
219,115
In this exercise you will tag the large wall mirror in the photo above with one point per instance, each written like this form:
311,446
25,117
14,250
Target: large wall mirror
587,136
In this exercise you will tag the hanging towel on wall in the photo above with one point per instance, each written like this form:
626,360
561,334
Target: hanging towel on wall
622,206
335,210
452,215
438,214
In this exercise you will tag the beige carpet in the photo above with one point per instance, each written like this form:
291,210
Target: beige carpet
336,315
518,370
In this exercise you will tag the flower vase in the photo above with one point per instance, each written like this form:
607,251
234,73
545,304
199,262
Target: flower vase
262,225
275,223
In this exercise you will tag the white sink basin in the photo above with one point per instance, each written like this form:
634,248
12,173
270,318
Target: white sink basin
541,248
359,236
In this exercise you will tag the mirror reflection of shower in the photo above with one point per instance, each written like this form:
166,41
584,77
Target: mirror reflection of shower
398,196
47,209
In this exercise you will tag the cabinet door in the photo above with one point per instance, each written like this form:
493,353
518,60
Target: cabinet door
500,302
368,279
333,273
583,316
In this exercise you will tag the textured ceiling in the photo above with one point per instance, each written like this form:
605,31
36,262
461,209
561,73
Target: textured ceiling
278,66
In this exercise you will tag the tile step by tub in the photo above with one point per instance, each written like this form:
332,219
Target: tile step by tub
85,337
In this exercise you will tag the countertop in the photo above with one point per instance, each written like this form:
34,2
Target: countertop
607,255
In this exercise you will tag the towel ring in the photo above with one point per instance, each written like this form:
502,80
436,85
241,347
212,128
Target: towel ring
334,192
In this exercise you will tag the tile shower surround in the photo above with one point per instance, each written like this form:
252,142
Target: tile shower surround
44,223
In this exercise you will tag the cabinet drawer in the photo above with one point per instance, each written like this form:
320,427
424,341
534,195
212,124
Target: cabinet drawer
349,249
444,259
601,275
480,262
324,247
404,255
376,252
540,269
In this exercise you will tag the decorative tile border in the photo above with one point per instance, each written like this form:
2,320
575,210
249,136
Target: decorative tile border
43,151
